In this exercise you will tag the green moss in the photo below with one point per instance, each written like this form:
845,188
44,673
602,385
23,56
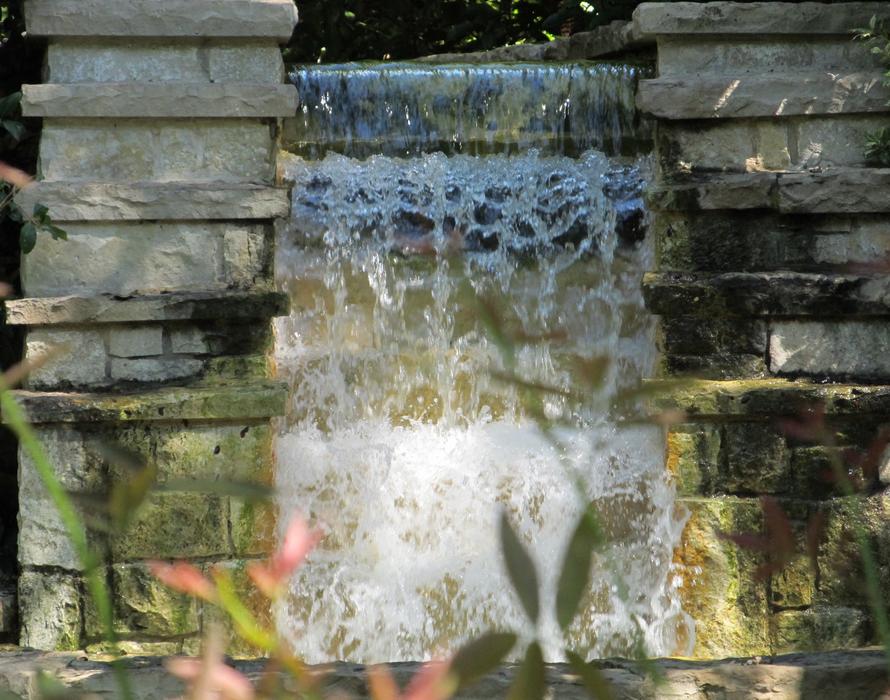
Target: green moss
720,590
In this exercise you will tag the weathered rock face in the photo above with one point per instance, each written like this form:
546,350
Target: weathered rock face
771,237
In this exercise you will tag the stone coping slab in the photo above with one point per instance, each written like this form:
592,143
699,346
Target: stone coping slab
758,18
158,100
773,294
848,190
258,400
158,201
178,306
766,399
727,97
851,675
273,19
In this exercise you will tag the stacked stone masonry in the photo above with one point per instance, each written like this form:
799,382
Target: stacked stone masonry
158,158
772,234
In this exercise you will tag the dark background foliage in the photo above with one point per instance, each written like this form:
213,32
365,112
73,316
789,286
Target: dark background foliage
349,30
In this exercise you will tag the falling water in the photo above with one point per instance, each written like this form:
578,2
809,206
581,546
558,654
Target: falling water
408,109
406,437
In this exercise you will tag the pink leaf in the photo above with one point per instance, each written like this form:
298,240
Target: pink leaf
183,577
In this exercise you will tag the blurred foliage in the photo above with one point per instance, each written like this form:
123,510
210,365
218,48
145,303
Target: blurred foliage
349,30
877,36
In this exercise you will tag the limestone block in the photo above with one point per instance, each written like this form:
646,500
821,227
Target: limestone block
178,306
144,606
175,526
125,258
154,369
794,586
686,335
756,18
765,294
756,460
42,538
137,341
842,579
731,191
818,629
719,588
813,469
257,399
159,100
831,142
254,527
758,56
715,366
245,252
849,190
9,612
181,201
734,146
737,97
50,610
178,18
151,61
240,452
80,360
836,349
693,458
219,150
745,241
768,398
255,602
189,341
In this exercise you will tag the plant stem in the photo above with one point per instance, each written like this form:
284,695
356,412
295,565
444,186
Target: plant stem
93,572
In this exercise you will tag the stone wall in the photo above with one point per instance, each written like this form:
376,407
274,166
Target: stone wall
772,235
158,157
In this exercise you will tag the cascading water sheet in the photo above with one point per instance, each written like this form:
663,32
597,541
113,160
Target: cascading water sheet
404,440
413,108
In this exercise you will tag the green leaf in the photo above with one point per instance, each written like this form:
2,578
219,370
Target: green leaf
246,624
10,103
15,213
530,683
478,658
41,212
15,129
520,568
57,233
28,238
594,682
575,576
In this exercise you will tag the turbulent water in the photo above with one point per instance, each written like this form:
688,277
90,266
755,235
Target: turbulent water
401,109
432,297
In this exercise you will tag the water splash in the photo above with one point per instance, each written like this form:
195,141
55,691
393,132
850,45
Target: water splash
407,109
402,442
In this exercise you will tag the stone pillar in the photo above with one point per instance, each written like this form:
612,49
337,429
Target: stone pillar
158,157
773,236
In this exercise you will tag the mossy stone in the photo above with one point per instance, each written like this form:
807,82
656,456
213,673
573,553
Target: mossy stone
720,589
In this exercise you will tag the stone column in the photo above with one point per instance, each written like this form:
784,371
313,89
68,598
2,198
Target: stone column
158,157
773,236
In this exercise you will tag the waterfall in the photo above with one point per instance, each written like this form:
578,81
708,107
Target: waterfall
405,109
404,438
